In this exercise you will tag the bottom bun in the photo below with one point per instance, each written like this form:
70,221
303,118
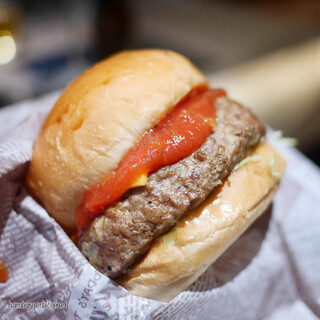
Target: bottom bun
178,258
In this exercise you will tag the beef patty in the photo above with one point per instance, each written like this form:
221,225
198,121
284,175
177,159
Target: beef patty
126,229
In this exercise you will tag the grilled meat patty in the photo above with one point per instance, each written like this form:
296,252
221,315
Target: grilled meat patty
126,229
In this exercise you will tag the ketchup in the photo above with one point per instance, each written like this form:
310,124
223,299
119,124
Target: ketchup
182,131
4,273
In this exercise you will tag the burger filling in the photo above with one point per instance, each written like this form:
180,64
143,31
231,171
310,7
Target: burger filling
182,131
125,229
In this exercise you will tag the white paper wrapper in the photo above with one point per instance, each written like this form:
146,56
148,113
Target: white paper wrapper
271,272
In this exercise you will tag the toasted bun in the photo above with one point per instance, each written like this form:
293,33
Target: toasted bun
97,120
201,236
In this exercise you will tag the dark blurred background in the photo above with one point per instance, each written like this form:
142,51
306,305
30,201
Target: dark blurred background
266,53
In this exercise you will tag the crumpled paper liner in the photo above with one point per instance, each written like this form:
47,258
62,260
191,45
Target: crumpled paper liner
271,272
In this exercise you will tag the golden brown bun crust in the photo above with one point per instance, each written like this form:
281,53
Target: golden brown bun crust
201,236
97,120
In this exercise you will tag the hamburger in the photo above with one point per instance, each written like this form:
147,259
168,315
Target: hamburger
154,172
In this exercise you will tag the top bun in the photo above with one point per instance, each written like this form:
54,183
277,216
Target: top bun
98,118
